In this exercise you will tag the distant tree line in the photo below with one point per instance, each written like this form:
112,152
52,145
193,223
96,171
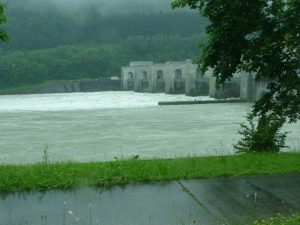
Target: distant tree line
52,43
19,67
48,27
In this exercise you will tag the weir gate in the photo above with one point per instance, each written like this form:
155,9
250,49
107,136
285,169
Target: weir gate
184,78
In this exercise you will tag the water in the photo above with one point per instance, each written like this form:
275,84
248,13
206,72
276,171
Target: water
232,200
101,126
119,205
86,101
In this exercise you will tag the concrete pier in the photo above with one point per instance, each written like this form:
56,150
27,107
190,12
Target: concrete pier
201,102
252,89
230,89
176,77
196,84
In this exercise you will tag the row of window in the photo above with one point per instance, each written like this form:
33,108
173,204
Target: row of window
159,76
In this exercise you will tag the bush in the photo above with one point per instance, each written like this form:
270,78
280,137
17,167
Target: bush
263,136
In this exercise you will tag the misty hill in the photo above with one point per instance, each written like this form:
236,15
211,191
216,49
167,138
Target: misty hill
75,39
23,67
36,24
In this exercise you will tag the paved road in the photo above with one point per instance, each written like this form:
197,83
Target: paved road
233,200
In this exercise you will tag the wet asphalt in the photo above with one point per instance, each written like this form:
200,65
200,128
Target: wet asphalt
234,200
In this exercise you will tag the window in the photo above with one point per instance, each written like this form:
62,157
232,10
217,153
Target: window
145,75
178,74
160,75
130,75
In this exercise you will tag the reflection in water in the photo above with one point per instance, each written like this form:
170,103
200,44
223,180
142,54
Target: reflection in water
127,205
234,200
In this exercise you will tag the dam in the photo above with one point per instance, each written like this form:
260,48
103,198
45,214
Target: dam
183,77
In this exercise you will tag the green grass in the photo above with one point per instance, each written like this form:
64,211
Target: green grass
69,175
30,88
293,219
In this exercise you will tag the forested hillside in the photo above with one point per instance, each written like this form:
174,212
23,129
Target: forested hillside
59,40
90,61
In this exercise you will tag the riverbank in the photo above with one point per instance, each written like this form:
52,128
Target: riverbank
47,176
293,219
31,88
65,86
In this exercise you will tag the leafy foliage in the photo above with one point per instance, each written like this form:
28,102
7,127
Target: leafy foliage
259,36
48,26
263,137
65,43
90,61
3,33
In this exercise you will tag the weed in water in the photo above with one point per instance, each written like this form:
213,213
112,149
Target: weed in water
90,211
64,212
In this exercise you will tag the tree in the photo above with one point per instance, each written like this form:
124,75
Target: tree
88,25
261,37
3,34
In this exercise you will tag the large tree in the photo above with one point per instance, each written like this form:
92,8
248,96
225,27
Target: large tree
3,34
261,37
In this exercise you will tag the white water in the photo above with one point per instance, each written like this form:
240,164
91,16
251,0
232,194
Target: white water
101,126
86,101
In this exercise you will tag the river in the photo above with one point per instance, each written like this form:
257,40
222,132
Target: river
104,126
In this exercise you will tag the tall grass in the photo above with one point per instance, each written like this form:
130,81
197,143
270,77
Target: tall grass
46,176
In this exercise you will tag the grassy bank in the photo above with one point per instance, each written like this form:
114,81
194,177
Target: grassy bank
293,219
31,88
70,175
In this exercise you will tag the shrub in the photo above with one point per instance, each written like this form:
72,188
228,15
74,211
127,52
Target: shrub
261,136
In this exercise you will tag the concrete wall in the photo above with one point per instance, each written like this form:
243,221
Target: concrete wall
251,88
159,77
248,87
170,77
176,76
99,85
230,89
142,76
184,78
260,88
196,83
127,78
192,74
81,86
72,86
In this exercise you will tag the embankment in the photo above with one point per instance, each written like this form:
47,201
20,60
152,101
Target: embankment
87,85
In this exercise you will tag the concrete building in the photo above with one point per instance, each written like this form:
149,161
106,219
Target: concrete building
184,78
229,89
159,75
196,84
176,76
127,79
170,77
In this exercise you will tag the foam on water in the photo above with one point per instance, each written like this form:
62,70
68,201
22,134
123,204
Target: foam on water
86,101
